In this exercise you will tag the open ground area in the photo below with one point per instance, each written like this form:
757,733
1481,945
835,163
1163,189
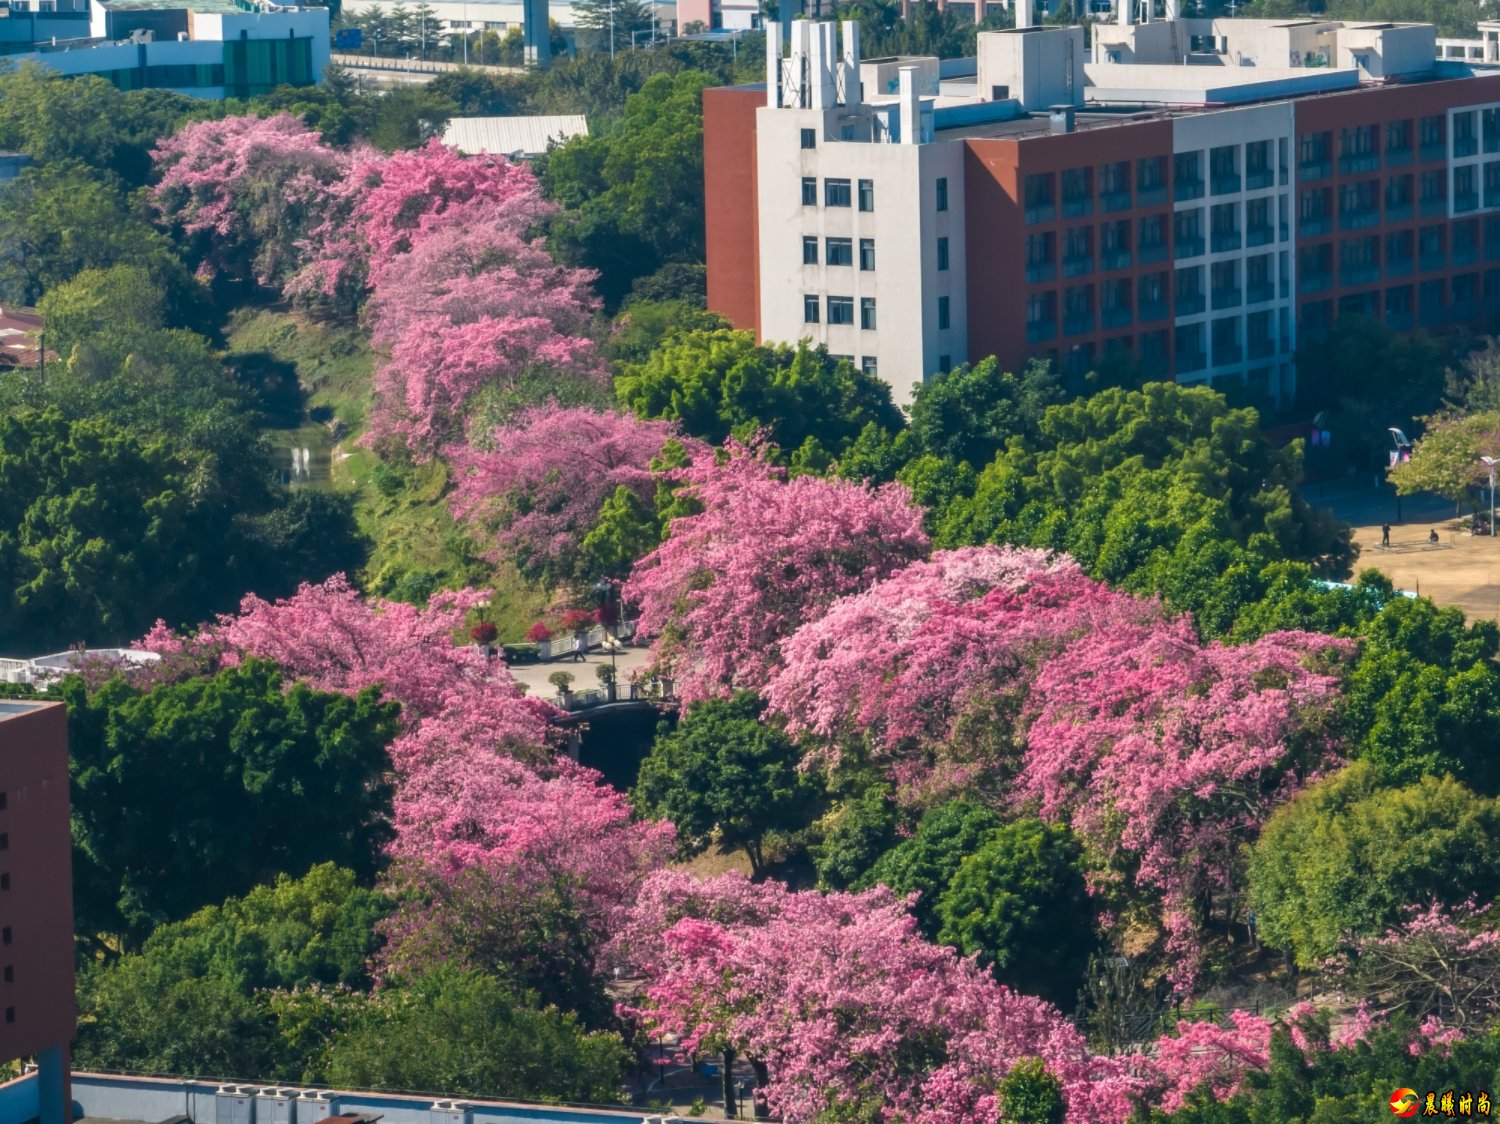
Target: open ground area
1460,569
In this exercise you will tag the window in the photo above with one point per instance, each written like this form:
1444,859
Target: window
809,309
942,253
1187,174
10,1014
809,191
5,935
867,313
942,193
942,313
10,974
841,310
4,881
809,250
836,193
945,364
1224,169
1151,178
2,801
1432,136
809,138
1398,140
866,195
840,251
869,366
1078,192
1038,194
4,841
867,254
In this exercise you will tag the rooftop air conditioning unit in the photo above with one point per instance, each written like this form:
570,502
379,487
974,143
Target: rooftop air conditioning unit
234,1104
278,1106
315,1105
451,1112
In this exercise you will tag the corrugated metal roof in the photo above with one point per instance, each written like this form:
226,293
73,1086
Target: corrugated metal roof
505,136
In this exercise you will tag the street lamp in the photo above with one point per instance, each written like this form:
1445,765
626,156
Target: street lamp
1490,463
604,589
1402,445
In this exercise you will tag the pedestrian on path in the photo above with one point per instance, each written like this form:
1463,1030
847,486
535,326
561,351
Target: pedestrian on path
1385,534
580,647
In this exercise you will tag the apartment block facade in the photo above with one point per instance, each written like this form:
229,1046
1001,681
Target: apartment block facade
910,232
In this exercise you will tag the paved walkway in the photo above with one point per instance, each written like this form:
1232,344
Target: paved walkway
585,676
1461,569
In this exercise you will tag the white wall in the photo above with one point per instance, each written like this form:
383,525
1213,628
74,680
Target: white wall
1042,66
478,15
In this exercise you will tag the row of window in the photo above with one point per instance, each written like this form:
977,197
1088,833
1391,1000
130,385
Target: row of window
1362,147
840,310
840,193
840,251
1427,304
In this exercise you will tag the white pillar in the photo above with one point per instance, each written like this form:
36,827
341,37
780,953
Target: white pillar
1171,9
1023,10
773,65
822,77
853,95
796,86
911,106
1126,14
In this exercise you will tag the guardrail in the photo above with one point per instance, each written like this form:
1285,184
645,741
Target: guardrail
417,66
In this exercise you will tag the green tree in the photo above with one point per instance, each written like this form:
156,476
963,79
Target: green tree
464,1033
613,22
1348,855
970,413
264,779
1020,902
1028,1094
1446,459
926,863
719,383
724,776
855,834
96,303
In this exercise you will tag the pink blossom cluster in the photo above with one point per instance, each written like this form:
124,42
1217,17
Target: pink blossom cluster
1167,754
541,479
251,185
764,556
849,1009
917,661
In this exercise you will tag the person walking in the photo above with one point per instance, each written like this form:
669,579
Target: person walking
580,646
1385,534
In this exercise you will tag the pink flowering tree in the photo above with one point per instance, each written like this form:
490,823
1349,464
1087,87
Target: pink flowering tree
1206,1055
1440,965
931,666
540,480
845,1009
452,696
247,190
763,557
1165,755
378,209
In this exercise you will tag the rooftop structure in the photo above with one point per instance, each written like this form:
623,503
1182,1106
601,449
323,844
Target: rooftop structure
20,328
37,1016
512,136
206,48
41,670
1192,192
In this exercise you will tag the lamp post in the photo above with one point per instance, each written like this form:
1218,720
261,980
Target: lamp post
1402,444
604,589
1490,463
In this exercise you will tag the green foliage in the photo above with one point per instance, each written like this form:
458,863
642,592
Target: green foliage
970,413
1021,903
463,1033
855,835
926,863
1446,458
634,192
724,776
263,780
1030,1095
1348,855
628,529
720,383
643,324
190,1002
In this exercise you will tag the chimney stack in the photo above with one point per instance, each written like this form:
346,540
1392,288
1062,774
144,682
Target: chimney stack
911,106
1024,13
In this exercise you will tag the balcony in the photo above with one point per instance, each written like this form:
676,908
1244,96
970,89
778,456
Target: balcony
1312,225
1358,220
1435,208
1434,153
1115,317
1465,201
1190,304
1227,184
1041,271
1464,310
1262,348
1077,267
1260,292
1315,282
1151,196
1228,355
1189,248
1260,235
1148,255
1153,310
1115,201
1226,298
1398,267
1040,330
1313,170
1465,253
1078,207
1040,212
1364,162
1114,259
1401,321
1078,324
1465,146
1254,181
1397,212
1189,361
1398,157
1432,261
1187,189
1492,196
1225,240
1360,275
